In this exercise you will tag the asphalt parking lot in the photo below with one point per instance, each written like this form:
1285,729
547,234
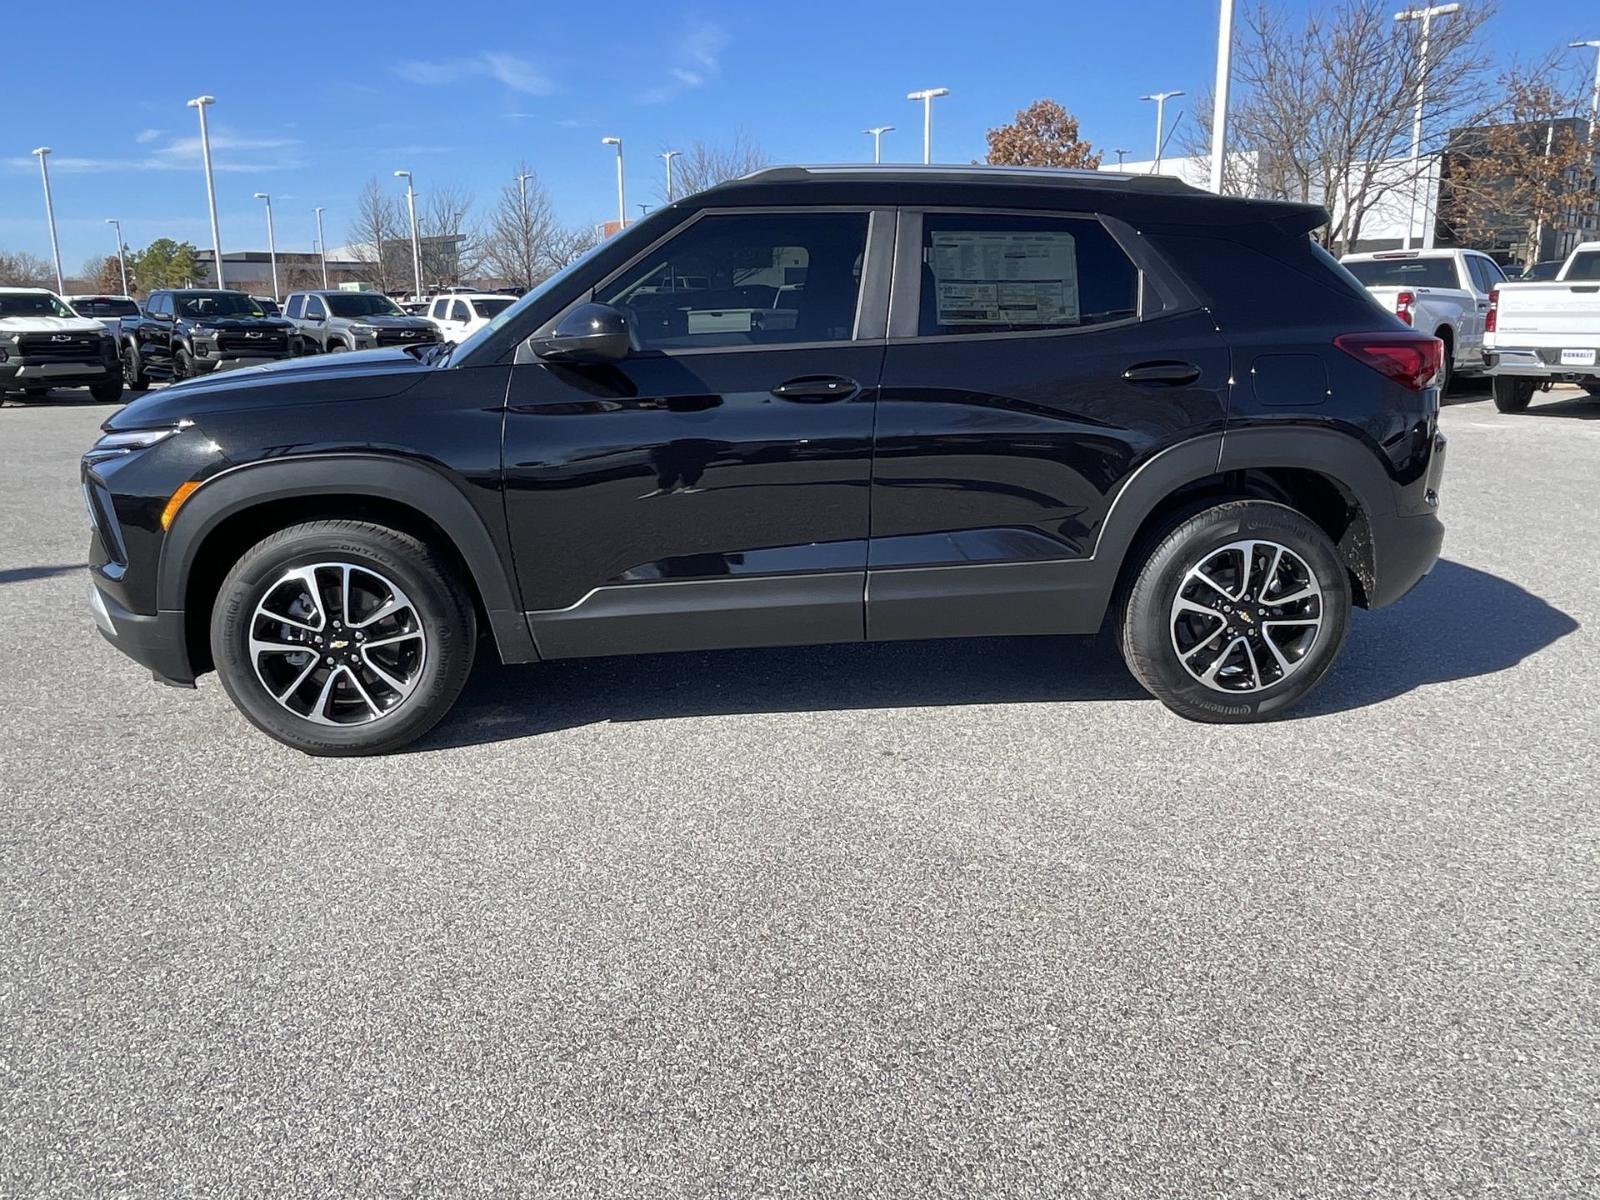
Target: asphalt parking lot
945,919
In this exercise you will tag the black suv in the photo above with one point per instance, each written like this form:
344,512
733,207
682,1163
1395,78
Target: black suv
195,331
814,405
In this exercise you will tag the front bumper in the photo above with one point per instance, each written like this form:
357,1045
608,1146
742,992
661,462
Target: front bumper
21,373
156,642
210,365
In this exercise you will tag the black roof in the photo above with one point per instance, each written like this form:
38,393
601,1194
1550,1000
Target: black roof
1157,198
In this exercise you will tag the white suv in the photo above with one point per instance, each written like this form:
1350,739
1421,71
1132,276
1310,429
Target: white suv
460,315
44,344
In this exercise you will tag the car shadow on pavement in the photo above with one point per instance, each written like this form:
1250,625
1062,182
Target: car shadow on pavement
1582,408
501,703
1457,623
24,574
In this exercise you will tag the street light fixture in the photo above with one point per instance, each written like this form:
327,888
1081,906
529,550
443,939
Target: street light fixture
272,245
622,209
876,133
1426,16
322,248
927,96
122,258
667,156
1161,99
416,244
200,103
41,154
1121,154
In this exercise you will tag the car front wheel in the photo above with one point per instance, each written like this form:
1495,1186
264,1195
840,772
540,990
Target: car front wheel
342,637
1237,613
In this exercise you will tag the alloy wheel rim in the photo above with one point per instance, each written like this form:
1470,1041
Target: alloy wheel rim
1247,616
337,643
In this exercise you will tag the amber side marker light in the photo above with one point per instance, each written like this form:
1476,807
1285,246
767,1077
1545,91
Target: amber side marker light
175,502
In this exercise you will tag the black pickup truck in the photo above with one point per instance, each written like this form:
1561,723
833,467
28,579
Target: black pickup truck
195,331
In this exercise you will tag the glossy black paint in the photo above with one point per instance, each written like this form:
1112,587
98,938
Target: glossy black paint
884,486
155,339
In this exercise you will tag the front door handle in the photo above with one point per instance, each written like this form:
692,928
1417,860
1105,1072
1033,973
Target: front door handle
817,389
1167,374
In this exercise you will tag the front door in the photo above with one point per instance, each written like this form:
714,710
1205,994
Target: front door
713,488
1031,370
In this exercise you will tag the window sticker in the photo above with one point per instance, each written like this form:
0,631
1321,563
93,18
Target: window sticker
997,278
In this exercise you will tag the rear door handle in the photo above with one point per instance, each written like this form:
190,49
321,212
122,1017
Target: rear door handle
817,389
1168,374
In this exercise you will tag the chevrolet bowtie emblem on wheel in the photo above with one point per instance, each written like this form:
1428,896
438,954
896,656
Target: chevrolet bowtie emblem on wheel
339,644
1246,617
60,337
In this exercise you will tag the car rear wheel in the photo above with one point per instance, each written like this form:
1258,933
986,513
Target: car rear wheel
1511,395
1237,613
342,637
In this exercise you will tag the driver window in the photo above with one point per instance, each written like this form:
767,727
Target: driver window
314,307
746,279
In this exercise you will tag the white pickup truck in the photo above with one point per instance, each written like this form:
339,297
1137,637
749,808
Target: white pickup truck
1545,333
1442,292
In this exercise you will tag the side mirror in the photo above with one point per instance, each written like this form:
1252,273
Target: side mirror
590,333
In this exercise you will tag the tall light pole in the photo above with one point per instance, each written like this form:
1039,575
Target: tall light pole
927,96
1426,16
1219,93
1121,154
876,133
1594,93
416,243
622,209
50,215
122,258
272,244
322,248
667,156
200,103
1161,99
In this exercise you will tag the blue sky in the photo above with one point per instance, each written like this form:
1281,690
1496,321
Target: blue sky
459,95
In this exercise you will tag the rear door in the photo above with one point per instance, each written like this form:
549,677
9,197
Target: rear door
711,489
1033,365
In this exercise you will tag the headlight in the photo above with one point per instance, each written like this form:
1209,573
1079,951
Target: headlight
364,330
127,441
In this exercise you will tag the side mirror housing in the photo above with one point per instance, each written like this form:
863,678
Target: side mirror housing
590,333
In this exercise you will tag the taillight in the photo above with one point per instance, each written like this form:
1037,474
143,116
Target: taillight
1492,318
1404,305
1410,359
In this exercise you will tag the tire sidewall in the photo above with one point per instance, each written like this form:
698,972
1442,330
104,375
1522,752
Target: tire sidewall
1147,622
445,616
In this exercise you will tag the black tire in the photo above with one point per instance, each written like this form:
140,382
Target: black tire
182,365
109,392
1511,395
133,376
335,346
443,613
1150,637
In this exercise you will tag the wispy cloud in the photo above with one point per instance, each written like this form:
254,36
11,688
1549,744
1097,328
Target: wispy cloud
513,72
146,136
696,60
230,153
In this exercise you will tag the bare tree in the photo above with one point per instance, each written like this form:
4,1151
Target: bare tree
702,166
566,246
1323,113
449,249
373,236
516,244
21,269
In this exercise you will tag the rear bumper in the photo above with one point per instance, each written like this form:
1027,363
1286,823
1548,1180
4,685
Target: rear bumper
157,642
1406,547
1540,363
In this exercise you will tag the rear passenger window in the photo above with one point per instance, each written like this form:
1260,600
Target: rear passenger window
993,273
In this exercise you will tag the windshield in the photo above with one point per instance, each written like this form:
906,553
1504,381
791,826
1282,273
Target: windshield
362,304
1405,272
533,296
104,306
1543,270
217,304
32,304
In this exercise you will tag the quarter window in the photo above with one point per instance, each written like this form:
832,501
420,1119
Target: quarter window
747,279
995,273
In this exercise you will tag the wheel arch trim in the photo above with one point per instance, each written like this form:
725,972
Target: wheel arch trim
412,484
